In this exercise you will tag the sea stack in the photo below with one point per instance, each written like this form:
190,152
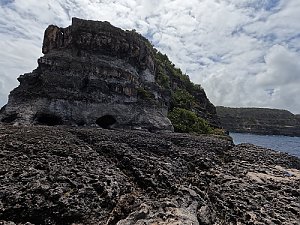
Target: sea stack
93,73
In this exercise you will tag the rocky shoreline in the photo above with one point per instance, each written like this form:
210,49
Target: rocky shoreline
69,175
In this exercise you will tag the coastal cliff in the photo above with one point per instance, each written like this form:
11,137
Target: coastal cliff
64,175
259,121
85,139
93,73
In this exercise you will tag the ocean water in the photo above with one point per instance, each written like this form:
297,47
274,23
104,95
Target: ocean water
287,144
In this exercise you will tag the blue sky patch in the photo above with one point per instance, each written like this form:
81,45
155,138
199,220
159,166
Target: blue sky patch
270,5
6,2
270,91
271,38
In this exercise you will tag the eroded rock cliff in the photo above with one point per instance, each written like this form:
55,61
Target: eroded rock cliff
259,121
91,73
94,73
64,175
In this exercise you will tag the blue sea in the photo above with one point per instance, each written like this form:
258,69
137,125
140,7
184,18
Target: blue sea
287,144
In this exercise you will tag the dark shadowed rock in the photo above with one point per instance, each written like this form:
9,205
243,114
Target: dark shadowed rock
64,175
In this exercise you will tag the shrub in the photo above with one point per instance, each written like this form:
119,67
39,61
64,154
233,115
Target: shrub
144,94
162,78
185,121
183,99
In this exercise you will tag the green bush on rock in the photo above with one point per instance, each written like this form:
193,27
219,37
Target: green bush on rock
183,99
145,94
184,105
185,121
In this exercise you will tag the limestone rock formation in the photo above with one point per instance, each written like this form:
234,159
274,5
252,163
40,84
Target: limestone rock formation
81,175
94,73
91,73
259,121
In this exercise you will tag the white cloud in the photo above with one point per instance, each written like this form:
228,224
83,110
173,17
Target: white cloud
243,52
283,76
282,68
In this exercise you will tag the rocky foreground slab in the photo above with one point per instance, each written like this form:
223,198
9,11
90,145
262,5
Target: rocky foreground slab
64,175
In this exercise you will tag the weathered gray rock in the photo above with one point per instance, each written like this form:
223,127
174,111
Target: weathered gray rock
65,175
91,73
94,73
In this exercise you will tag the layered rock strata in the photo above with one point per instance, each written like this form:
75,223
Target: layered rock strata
94,73
64,175
91,73
259,121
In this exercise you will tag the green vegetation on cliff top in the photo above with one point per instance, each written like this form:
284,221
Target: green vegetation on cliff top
183,102
183,105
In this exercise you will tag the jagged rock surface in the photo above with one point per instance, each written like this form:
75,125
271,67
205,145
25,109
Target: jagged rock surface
259,121
64,175
92,70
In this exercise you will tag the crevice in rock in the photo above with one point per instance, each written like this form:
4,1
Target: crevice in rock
124,163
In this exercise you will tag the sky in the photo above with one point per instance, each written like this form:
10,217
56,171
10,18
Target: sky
244,53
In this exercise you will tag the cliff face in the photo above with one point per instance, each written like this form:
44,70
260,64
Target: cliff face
94,73
259,121
64,175
91,73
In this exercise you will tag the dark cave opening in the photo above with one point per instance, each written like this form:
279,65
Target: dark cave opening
106,121
10,118
48,119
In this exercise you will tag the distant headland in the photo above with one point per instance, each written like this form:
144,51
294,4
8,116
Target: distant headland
259,121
